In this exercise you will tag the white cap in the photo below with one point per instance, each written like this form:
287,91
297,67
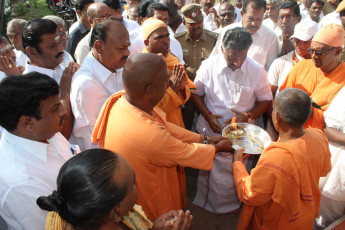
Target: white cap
305,30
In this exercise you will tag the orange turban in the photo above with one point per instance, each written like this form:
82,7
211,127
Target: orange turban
332,35
150,25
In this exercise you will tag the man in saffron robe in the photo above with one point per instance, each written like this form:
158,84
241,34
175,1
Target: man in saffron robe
282,191
323,76
157,41
132,125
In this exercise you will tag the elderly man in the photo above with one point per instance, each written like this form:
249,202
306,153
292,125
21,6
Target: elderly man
332,202
315,9
96,13
304,32
133,13
98,77
82,26
271,21
265,43
227,15
209,14
31,148
8,66
132,125
67,58
323,76
228,85
14,34
282,191
288,17
42,44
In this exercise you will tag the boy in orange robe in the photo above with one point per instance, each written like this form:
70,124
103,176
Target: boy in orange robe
282,191
131,125
323,76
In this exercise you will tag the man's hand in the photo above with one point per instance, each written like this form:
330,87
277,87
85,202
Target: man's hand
178,78
66,78
178,220
215,139
240,116
238,155
8,66
224,146
213,122
287,46
213,11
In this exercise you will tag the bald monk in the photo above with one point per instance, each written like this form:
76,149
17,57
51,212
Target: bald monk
323,76
131,124
157,41
282,191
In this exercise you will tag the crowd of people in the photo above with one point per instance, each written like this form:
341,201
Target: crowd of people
97,126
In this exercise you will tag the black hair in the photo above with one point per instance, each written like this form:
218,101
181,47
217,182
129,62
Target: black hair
293,106
237,39
99,32
257,4
34,29
21,95
155,6
290,4
86,192
142,8
80,4
310,2
114,4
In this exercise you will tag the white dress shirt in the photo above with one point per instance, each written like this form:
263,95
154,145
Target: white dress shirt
20,58
209,23
56,73
305,14
225,89
67,58
83,48
91,86
28,170
181,28
333,17
237,11
264,48
130,25
137,44
280,68
270,24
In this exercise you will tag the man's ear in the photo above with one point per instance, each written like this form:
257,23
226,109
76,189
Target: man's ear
146,42
114,215
98,45
31,52
90,20
79,12
27,123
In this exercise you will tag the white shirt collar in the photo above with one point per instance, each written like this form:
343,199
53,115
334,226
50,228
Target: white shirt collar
35,148
50,72
100,70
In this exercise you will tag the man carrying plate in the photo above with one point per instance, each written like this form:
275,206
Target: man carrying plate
228,85
282,191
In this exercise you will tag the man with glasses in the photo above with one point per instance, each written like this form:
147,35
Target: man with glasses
14,34
322,76
265,43
288,17
96,13
228,85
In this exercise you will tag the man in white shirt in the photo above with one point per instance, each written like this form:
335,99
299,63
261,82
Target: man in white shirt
304,32
14,33
96,13
43,46
304,9
8,66
175,16
315,9
98,78
31,148
159,11
237,11
210,14
226,15
272,14
229,85
265,43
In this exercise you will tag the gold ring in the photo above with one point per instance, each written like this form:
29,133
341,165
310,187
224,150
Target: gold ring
10,66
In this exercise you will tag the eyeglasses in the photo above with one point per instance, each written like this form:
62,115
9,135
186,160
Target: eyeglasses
287,17
102,18
319,52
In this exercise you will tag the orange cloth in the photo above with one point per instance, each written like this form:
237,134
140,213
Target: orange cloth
332,35
153,147
282,191
322,87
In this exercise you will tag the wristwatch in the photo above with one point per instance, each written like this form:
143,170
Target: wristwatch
205,140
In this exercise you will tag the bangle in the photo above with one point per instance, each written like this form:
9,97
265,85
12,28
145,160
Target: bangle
205,116
205,140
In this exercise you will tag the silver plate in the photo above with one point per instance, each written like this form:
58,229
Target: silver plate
253,138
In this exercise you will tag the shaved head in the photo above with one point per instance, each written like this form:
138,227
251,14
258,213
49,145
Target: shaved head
292,106
141,70
95,8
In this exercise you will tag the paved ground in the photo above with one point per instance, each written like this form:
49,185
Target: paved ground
204,220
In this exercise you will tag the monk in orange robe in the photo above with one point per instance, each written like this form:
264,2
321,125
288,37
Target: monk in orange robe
282,191
131,125
323,76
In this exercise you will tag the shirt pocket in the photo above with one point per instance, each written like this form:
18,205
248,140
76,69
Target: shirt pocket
258,54
241,95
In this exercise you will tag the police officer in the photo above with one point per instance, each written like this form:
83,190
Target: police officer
197,43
